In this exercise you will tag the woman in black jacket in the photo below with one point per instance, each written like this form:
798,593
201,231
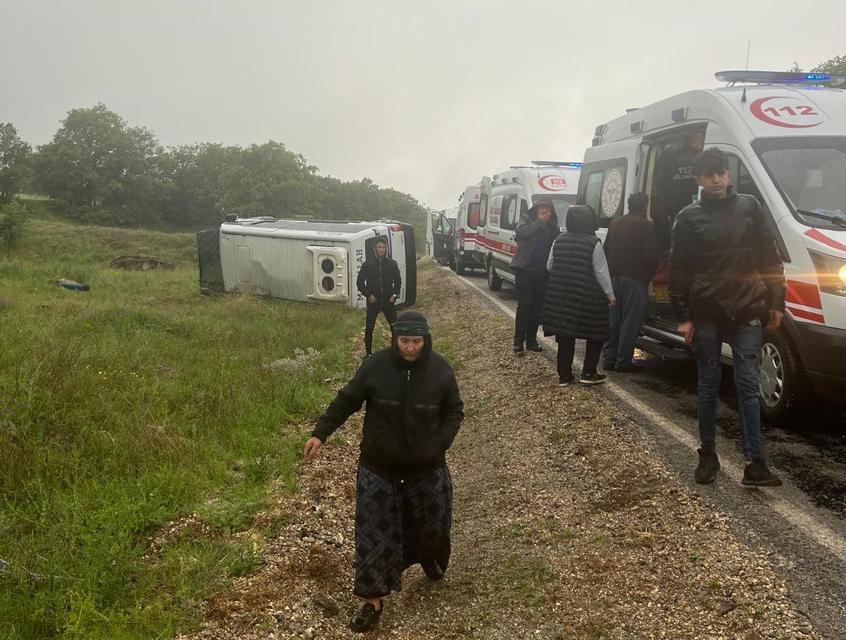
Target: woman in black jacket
578,295
404,491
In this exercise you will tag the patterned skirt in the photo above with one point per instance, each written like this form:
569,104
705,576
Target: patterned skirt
399,523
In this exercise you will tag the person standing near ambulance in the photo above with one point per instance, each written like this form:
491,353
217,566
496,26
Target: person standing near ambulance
536,231
632,253
726,282
380,282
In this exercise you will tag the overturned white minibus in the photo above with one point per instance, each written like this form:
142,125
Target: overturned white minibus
305,260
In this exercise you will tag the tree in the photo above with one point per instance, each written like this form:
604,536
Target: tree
837,64
98,169
14,154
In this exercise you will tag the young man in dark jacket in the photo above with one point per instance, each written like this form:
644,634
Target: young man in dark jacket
726,282
404,491
536,231
380,282
632,252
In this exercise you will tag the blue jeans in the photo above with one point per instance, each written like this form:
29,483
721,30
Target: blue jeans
626,319
745,341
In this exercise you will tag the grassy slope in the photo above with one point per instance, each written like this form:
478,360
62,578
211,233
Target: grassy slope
128,406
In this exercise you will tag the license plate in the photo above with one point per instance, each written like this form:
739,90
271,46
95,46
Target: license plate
659,291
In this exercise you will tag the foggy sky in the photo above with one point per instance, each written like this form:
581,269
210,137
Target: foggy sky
422,97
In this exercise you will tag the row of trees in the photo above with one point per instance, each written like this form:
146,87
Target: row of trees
99,170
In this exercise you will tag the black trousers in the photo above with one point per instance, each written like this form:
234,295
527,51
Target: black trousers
566,350
390,312
531,288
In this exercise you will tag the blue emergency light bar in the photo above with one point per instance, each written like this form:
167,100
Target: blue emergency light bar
781,77
555,163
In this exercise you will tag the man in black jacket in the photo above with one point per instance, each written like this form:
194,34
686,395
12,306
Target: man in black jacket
380,282
632,253
726,282
536,231
403,490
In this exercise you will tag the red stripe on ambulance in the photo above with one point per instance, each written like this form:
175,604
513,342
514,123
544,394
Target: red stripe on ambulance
808,295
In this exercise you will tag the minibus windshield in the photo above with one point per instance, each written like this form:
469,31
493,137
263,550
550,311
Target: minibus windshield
810,172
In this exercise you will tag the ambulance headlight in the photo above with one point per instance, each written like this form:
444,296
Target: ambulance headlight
831,273
327,265
328,284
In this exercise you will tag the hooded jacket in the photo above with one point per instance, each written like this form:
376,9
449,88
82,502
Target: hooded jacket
534,238
379,277
724,264
412,416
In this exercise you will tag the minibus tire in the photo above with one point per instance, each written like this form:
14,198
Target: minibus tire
494,281
780,379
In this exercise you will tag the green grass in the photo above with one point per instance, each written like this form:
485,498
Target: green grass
130,406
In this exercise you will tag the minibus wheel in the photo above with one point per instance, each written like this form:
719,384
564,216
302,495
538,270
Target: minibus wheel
494,281
780,378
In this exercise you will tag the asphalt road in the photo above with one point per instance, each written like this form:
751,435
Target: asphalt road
801,526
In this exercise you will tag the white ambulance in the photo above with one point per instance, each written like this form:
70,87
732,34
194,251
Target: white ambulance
785,136
305,260
508,195
466,253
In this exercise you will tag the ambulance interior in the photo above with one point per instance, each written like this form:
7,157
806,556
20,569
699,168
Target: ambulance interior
668,180
671,186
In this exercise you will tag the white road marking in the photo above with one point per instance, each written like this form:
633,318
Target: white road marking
821,533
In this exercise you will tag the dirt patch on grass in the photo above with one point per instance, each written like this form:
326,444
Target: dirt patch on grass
564,526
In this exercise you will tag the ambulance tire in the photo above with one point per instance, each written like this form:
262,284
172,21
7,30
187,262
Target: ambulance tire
780,381
460,267
494,281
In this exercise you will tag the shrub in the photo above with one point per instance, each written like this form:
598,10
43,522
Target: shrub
13,218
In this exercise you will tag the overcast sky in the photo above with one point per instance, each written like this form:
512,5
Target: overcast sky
424,97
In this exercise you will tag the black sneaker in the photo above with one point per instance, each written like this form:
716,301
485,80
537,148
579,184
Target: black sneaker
563,381
592,378
518,350
707,468
366,617
756,474
534,346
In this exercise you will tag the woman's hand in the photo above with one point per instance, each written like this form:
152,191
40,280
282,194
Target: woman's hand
312,446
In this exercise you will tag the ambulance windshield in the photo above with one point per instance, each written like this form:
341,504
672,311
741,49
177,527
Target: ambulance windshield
811,173
561,202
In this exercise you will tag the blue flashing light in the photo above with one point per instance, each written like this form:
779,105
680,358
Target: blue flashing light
781,77
556,163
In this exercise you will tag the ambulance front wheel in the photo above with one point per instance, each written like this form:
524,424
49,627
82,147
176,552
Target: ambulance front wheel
494,281
780,378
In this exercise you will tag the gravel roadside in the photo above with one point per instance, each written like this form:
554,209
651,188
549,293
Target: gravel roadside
565,526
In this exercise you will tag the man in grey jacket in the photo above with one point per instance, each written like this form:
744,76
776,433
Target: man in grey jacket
536,231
